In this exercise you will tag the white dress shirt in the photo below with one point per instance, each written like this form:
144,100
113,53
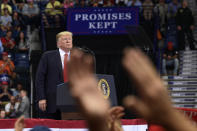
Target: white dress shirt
62,53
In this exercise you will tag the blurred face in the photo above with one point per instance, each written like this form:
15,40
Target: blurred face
21,35
184,3
65,42
12,99
2,114
175,1
4,86
15,14
19,86
6,11
4,57
9,34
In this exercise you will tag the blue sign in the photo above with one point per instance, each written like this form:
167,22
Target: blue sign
88,21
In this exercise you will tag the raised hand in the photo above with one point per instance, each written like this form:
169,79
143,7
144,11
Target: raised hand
154,103
83,87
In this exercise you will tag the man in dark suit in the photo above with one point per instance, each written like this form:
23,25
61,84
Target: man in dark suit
50,73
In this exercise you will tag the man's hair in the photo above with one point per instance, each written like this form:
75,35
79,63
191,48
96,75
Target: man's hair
63,33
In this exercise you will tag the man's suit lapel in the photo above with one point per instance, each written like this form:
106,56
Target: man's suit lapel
59,65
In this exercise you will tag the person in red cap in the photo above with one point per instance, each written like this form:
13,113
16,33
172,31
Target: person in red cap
170,60
5,92
6,65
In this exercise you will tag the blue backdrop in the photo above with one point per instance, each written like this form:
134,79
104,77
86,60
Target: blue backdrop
89,21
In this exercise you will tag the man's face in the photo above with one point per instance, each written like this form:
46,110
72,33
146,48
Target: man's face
65,42
9,34
12,100
4,57
2,114
4,87
184,3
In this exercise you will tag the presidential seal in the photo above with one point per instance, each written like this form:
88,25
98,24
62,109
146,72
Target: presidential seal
104,87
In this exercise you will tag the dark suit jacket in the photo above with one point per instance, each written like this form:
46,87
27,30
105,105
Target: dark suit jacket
48,76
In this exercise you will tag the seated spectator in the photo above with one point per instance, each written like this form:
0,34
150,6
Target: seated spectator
172,9
5,92
162,9
67,4
3,114
6,5
31,13
8,42
11,108
170,60
58,21
121,2
7,65
24,105
17,20
3,31
21,43
147,8
45,21
16,92
6,19
53,8
134,3
108,4
16,31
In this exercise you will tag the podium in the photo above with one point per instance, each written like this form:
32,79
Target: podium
67,105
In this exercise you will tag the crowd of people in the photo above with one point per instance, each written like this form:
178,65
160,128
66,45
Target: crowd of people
16,18
174,18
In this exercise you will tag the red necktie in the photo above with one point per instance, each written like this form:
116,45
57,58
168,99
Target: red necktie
65,68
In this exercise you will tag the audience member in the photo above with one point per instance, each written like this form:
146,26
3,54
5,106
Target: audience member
7,65
8,42
84,89
170,60
67,4
16,92
172,9
45,21
53,8
185,26
31,13
134,3
147,7
11,108
153,102
6,19
5,92
20,124
24,105
121,2
6,5
17,20
3,114
21,43
108,4
161,9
